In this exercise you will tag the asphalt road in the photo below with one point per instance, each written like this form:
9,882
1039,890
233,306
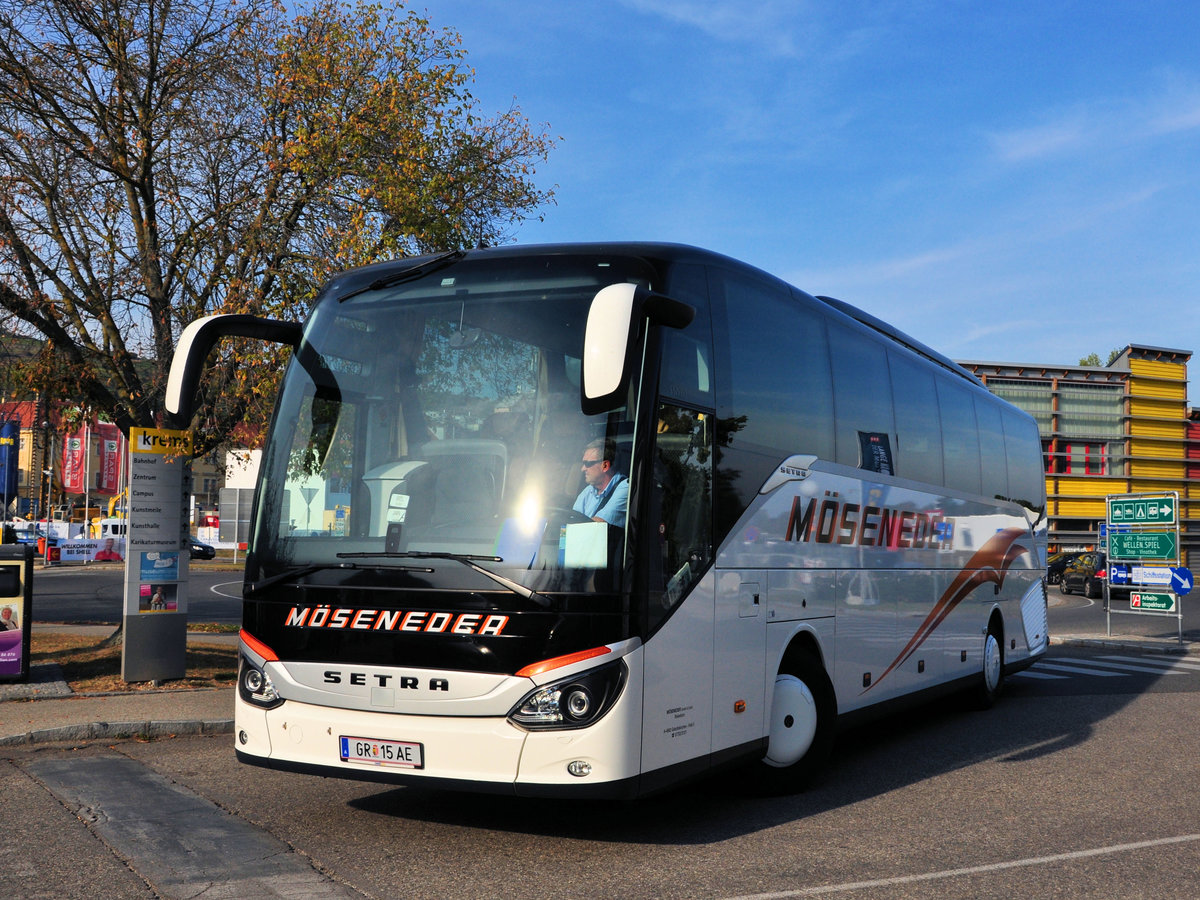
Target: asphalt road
93,594
1079,786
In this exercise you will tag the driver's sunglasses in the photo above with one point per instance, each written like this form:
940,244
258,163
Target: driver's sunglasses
590,462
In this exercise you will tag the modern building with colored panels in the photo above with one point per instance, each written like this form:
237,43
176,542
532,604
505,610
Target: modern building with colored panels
1124,428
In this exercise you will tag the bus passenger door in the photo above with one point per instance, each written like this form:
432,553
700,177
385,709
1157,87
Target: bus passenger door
740,644
681,588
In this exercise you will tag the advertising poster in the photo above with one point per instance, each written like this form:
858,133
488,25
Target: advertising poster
160,565
92,549
154,598
11,639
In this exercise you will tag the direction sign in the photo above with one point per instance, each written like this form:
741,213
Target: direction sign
1158,575
1143,545
1141,510
1152,602
1181,580
1118,573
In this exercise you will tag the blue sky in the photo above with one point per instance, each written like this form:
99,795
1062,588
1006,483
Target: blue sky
1013,181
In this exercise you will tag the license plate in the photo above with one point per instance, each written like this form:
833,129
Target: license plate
382,753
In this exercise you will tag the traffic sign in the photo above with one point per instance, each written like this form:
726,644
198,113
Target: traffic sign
1142,545
1141,510
1152,602
1181,580
1118,574
1159,575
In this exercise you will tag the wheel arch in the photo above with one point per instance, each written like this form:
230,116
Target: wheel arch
804,641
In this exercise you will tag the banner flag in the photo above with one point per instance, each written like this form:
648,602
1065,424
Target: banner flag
73,463
10,445
110,444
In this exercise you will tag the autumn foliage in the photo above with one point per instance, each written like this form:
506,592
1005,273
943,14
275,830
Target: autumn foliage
160,161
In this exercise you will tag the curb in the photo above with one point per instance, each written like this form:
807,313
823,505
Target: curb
1126,644
151,729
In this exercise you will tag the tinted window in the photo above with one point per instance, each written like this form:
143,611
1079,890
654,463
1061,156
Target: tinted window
918,424
1026,480
687,372
779,370
993,459
960,436
863,394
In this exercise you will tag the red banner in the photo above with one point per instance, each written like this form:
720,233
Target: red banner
110,443
74,462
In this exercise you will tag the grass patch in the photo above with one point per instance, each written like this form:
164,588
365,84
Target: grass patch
90,668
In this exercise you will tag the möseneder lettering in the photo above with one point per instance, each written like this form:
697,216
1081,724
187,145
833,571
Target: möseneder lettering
396,620
835,522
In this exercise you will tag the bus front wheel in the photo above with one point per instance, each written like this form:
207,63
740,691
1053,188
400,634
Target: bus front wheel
800,737
992,679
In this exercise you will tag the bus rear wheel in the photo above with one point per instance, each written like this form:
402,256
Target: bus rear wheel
800,736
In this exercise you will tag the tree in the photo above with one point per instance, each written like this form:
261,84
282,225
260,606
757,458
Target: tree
161,160
1093,359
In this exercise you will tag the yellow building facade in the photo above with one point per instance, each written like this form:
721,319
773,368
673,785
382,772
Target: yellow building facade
1116,429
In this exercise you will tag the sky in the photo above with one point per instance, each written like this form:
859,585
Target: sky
1014,181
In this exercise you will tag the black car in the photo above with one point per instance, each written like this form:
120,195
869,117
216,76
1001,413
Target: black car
1086,574
202,551
1058,562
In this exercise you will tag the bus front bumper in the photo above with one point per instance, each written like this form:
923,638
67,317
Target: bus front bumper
486,754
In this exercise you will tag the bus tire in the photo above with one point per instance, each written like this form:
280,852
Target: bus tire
801,726
991,679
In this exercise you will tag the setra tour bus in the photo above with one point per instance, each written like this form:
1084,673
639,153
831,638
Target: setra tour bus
589,520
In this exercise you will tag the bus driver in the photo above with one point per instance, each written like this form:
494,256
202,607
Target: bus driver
606,494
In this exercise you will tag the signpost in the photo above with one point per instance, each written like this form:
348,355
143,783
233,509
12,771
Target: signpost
1142,510
1154,601
1141,533
1143,545
156,566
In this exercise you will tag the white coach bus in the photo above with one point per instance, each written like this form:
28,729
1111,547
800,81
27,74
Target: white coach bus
590,520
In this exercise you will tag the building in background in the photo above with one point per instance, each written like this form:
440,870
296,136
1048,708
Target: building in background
1124,428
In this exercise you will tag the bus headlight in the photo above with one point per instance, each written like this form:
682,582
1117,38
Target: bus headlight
574,702
255,686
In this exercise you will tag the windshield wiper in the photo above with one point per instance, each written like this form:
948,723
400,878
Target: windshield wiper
467,559
298,572
291,575
414,271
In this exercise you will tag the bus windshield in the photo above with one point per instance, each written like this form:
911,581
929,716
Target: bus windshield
439,419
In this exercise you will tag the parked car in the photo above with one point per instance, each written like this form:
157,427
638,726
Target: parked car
201,550
1058,562
1086,574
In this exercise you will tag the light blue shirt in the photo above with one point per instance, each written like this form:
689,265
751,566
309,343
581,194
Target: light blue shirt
608,504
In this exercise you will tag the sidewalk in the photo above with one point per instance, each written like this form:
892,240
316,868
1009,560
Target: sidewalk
46,710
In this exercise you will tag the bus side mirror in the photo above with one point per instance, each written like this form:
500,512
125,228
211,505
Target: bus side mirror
196,342
611,340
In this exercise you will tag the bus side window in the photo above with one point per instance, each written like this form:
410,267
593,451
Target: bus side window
682,504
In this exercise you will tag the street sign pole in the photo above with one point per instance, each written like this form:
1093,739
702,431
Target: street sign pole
1141,537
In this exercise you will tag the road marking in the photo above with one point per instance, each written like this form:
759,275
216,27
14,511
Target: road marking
1133,665
1166,663
1043,676
236,585
1074,669
972,870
